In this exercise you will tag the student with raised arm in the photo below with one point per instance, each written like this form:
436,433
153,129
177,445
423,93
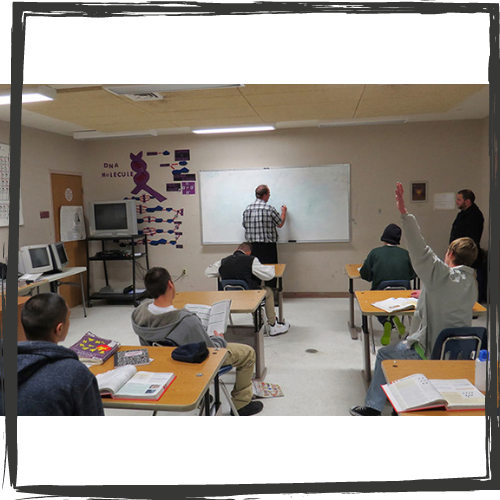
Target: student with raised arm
448,294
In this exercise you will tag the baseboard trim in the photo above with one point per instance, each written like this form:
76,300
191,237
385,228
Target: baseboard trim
316,295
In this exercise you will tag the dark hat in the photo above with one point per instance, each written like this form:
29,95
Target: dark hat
392,234
191,353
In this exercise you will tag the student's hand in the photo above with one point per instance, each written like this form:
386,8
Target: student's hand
400,202
217,334
415,294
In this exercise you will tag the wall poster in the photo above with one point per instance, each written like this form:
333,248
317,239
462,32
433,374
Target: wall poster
4,187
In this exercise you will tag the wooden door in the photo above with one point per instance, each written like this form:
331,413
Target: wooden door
67,190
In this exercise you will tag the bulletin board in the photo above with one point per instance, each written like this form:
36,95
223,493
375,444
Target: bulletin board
317,198
4,187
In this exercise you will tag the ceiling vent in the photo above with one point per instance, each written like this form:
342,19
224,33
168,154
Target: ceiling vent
147,96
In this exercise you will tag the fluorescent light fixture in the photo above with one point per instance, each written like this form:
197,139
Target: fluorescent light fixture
232,130
144,89
366,122
34,94
94,134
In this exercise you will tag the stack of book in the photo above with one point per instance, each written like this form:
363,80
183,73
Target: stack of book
95,350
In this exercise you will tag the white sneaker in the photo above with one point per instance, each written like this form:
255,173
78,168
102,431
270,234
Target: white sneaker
278,328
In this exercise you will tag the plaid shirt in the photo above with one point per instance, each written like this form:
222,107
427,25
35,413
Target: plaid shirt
260,221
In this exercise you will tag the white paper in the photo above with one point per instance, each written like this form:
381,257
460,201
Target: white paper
396,304
444,201
72,224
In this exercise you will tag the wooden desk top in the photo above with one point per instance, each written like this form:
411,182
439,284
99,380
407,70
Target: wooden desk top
242,301
352,270
186,390
366,298
279,269
432,369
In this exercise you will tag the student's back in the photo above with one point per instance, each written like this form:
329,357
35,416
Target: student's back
53,382
389,262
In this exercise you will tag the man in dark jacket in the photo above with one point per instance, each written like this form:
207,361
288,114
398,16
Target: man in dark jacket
469,223
51,379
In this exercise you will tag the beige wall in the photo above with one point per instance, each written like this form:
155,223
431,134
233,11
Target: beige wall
448,155
41,153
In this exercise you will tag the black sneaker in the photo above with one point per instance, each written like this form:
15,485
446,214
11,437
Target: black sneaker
364,411
251,408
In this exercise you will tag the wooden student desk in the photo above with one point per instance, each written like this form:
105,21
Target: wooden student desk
242,301
53,280
352,271
432,369
187,390
365,300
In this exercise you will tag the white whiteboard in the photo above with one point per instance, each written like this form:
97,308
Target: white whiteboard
317,198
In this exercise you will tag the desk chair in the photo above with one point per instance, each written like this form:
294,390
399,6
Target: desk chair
386,337
460,343
219,383
233,285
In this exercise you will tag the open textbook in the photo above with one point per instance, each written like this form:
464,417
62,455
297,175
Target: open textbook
396,304
214,318
417,392
125,382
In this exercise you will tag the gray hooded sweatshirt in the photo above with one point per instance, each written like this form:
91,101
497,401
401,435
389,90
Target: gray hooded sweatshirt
180,326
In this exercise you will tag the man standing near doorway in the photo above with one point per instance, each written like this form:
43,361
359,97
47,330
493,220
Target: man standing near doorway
261,221
470,223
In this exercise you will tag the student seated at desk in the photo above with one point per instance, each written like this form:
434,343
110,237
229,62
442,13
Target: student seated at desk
51,379
448,294
242,265
388,262
385,263
157,320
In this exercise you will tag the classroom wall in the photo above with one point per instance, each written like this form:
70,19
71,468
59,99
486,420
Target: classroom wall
448,155
41,154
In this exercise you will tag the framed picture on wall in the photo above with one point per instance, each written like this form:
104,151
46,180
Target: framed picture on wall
419,191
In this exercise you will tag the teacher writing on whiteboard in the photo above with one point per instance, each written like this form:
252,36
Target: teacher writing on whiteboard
260,221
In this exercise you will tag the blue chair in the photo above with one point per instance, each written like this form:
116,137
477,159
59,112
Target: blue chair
460,343
233,285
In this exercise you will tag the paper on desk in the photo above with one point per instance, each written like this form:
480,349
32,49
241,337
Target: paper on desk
30,277
396,304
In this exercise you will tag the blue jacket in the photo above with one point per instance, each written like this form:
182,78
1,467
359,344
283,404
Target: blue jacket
52,381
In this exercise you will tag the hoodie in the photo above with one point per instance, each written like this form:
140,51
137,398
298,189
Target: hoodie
53,382
180,326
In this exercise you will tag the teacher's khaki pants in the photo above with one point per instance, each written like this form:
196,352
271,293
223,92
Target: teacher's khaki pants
242,357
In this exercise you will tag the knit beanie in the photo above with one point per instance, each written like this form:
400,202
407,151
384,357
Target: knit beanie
392,234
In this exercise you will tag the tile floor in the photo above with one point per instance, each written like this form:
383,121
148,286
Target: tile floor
326,382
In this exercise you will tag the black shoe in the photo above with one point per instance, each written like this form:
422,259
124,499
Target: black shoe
251,408
364,411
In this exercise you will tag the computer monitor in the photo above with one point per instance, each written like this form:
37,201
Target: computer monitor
59,256
113,218
35,259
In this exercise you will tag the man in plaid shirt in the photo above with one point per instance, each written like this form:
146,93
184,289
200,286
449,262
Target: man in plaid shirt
260,221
